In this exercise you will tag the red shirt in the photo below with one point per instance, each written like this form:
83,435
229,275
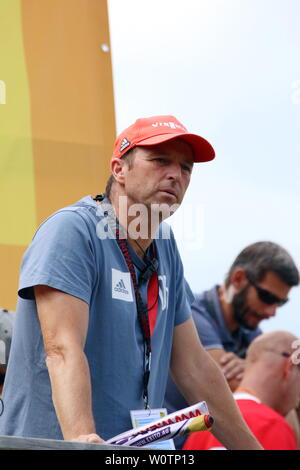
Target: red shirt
268,426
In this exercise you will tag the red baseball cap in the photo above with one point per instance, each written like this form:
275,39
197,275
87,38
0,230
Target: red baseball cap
157,129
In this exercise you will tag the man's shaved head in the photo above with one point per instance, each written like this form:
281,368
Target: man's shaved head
274,341
271,372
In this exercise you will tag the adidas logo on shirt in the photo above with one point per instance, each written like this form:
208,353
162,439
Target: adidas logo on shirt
121,285
124,144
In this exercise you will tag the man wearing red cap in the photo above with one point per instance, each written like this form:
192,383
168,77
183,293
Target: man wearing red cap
104,308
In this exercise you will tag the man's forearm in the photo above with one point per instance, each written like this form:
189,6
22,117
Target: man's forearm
210,385
71,392
230,427
198,378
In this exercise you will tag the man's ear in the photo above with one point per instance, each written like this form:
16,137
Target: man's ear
239,279
117,169
287,368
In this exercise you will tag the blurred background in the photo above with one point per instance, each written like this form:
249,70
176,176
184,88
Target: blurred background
230,71
75,73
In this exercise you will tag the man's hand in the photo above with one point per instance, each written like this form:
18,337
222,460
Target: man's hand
199,378
232,366
88,438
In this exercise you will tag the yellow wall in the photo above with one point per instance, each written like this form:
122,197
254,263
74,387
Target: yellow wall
57,127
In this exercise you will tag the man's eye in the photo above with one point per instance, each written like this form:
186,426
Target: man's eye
186,168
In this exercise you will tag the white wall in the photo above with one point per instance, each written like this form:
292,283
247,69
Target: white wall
230,71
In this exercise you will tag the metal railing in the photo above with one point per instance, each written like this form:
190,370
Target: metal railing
29,443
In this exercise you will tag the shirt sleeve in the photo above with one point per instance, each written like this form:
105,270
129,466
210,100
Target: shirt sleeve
184,295
185,299
207,331
61,256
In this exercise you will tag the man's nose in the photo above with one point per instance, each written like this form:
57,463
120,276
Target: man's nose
174,171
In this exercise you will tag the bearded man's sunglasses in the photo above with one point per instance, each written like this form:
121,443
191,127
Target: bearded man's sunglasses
264,295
